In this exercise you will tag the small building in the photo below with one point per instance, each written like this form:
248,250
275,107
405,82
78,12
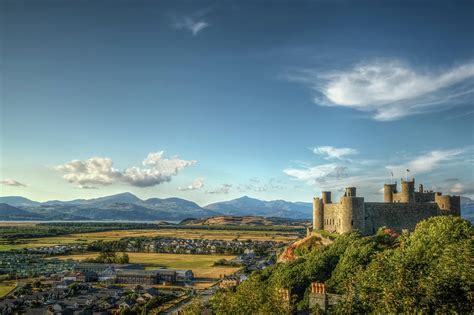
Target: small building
319,298
86,276
229,282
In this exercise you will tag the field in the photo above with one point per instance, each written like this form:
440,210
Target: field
85,238
6,287
201,265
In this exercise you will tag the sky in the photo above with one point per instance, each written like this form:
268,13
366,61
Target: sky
213,100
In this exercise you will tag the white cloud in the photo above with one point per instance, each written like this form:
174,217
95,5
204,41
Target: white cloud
12,182
196,184
100,171
369,175
333,153
190,24
222,190
260,185
392,90
426,162
463,189
318,173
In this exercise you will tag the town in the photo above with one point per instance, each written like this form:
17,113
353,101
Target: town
48,281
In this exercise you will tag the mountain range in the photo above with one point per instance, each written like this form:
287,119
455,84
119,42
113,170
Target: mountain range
126,206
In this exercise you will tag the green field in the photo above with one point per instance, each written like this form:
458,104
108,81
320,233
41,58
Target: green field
84,238
6,287
201,265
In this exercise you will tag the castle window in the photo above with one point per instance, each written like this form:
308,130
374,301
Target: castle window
352,222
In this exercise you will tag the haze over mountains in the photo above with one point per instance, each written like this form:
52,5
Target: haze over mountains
126,206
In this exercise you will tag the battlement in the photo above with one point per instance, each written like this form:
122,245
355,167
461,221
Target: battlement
400,209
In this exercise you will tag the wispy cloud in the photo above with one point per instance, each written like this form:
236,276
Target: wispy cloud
426,162
463,189
99,171
224,189
369,175
190,24
391,90
12,182
260,185
330,152
198,183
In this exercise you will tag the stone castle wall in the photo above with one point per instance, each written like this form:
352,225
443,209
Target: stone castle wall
398,216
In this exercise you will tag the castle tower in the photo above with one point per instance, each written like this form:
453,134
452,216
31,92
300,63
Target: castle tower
326,195
450,205
352,212
350,192
318,214
420,188
408,191
388,191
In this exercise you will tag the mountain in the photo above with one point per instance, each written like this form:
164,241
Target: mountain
8,212
18,201
118,198
467,209
246,206
125,206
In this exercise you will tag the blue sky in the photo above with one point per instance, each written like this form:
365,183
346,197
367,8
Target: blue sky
214,100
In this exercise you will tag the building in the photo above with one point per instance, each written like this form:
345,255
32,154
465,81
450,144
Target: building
229,282
99,268
400,210
137,276
183,275
318,297
152,276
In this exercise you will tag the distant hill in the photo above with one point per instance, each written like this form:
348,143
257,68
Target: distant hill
8,212
467,209
241,220
18,201
246,206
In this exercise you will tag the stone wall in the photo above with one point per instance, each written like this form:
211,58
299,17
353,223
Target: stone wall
332,217
398,216
424,196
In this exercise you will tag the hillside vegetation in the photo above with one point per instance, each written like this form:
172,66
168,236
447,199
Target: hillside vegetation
429,270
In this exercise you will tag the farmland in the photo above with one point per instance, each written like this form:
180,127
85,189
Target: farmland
85,238
6,287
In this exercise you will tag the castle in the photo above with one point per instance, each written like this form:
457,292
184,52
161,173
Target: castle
400,210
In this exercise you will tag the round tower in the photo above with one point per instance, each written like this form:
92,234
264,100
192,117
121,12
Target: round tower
408,191
388,191
326,195
318,214
352,214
